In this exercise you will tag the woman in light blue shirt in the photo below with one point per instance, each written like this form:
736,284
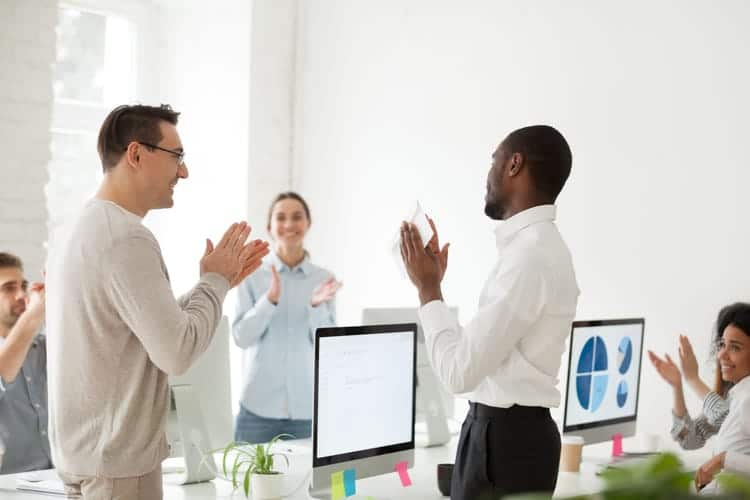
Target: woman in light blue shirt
278,309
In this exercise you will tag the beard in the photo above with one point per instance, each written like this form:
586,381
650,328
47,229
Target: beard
493,208
9,319
9,316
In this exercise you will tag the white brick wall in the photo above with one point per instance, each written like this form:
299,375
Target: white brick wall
27,52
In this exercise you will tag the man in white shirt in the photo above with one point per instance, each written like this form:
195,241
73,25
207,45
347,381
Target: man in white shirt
507,358
116,329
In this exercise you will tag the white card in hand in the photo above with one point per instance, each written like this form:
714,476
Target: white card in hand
419,219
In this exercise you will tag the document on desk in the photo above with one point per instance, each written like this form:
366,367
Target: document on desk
41,481
52,487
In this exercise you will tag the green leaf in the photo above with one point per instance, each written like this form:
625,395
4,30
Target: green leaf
247,481
224,458
732,483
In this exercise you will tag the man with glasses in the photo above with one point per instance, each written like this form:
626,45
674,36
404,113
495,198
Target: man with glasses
116,330
23,371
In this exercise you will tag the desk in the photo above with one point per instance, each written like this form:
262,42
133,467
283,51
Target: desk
423,477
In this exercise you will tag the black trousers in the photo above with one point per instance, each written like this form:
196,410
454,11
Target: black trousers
505,451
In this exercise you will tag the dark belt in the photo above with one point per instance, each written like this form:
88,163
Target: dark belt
515,411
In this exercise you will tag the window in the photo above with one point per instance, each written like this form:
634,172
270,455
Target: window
95,70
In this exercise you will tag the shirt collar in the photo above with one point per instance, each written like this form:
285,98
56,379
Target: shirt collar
741,387
125,211
506,230
305,267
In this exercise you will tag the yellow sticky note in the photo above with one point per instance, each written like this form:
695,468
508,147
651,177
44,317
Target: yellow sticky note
337,485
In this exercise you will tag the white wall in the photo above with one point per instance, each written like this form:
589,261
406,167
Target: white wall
27,51
204,60
407,100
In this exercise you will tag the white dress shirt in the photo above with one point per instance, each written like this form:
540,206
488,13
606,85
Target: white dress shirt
734,435
510,352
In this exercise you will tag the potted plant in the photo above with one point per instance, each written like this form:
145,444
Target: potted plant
253,467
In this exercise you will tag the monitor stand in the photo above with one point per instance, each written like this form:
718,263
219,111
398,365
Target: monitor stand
430,403
188,436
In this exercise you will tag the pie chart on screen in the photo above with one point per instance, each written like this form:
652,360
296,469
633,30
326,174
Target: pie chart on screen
624,354
622,393
591,374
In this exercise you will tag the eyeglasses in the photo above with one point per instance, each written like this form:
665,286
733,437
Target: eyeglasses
180,155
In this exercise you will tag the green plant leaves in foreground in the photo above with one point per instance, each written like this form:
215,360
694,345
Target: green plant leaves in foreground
661,477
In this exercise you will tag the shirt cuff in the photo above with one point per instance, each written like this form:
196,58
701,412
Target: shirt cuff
737,463
218,282
679,424
264,307
435,316
317,314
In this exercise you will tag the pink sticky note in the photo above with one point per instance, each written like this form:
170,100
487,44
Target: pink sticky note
617,445
403,473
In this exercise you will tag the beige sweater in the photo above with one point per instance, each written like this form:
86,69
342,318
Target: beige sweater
115,331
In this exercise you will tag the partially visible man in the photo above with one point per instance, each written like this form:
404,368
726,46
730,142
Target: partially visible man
23,371
116,329
506,359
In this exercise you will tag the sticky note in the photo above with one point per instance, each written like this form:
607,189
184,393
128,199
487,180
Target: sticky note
617,445
350,482
403,474
337,486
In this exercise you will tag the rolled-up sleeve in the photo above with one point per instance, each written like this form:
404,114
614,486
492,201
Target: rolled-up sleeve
715,409
691,434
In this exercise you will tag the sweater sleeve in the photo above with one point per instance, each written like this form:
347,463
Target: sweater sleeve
173,334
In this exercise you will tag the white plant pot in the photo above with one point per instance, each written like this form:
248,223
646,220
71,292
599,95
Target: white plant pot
266,486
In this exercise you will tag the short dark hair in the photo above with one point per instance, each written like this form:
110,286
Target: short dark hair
288,195
738,315
10,260
546,153
129,123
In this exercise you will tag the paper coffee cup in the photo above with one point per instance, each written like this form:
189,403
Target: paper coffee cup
650,442
570,453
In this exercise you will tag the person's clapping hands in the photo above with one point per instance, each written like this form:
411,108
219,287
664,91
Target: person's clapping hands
232,257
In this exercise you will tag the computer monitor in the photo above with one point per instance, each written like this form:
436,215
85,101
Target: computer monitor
208,406
363,401
435,405
604,375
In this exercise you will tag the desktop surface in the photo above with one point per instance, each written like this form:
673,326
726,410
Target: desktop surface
423,475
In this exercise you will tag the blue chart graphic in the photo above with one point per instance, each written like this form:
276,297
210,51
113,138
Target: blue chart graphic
624,354
591,375
622,393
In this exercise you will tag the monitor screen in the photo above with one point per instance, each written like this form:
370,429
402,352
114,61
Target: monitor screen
390,315
364,392
604,372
